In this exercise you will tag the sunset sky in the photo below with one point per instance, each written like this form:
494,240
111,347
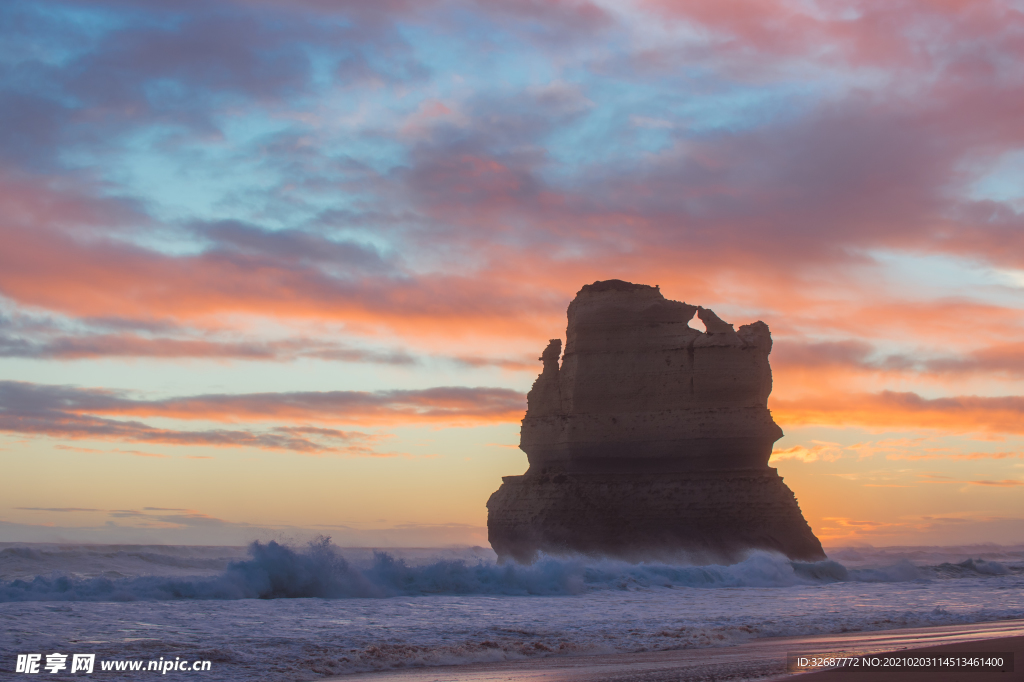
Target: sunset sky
272,268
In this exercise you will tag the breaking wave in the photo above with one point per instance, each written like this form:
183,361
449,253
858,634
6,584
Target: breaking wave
277,571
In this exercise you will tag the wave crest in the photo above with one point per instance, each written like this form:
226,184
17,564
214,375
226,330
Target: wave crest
277,571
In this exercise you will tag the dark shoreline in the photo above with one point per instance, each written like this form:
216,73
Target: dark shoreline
759,659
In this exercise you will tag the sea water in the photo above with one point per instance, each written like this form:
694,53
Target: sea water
274,612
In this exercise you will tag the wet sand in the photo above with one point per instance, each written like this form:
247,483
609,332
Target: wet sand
759,659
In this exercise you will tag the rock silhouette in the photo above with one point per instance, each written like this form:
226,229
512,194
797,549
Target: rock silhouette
650,440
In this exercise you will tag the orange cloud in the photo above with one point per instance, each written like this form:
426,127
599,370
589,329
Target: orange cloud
826,451
947,454
892,410
1006,483
990,455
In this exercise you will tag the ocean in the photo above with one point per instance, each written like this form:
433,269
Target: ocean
280,613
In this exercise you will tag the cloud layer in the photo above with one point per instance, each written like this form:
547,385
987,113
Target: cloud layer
72,413
413,191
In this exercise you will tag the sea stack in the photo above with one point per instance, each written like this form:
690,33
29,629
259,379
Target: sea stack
650,441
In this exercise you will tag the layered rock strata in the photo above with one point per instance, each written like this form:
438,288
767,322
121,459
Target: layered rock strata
649,439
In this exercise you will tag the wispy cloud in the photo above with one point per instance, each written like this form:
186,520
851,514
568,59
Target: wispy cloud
892,410
818,450
71,413
1006,483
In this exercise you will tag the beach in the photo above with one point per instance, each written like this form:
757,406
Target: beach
762,659
273,613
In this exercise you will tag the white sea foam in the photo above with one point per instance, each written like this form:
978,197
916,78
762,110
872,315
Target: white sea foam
321,570
457,606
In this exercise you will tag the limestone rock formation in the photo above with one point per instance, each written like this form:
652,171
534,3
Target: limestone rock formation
651,439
